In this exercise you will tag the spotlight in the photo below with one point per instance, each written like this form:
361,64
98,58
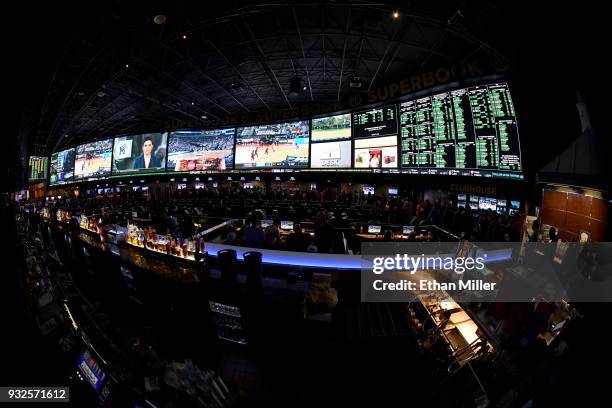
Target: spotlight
127,65
396,14
204,117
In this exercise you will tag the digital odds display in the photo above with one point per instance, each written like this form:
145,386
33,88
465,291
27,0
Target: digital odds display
277,145
61,168
37,168
201,150
140,153
472,129
375,122
331,142
93,159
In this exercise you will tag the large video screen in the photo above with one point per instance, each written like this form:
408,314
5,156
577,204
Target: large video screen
37,168
61,169
336,127
375,122
93,159
330,155
472,131
376,153
139,153
201,150
276,145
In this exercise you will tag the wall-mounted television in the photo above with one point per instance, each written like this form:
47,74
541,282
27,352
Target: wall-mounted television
276,145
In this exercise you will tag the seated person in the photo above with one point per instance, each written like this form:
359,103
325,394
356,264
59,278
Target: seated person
253,235
298,240
272,235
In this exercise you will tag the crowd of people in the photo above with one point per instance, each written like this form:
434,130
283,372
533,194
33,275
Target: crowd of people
327,208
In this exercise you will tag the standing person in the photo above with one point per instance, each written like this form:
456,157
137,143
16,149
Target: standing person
324,233
147,159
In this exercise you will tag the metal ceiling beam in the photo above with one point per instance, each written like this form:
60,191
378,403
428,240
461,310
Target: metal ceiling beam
380,7
228,62
214,46
178,81
346,32
266,67
297,26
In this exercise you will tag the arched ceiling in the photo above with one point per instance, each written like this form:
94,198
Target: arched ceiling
120,70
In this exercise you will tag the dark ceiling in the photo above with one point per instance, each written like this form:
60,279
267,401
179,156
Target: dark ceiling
99,68
118,70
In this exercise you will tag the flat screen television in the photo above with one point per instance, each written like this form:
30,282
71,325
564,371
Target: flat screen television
374,229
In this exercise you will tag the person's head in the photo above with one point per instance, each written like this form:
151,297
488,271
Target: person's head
276,223
147,146
552,232
297,228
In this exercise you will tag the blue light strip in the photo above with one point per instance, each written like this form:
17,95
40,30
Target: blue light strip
301,259
323,261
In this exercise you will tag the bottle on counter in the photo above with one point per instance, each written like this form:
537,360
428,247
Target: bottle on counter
185,247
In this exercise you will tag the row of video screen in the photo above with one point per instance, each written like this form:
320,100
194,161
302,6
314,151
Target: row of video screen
470,130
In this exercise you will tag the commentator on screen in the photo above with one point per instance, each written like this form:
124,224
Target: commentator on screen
147,159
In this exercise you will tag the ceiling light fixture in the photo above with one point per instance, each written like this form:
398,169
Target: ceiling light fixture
159,19
295,86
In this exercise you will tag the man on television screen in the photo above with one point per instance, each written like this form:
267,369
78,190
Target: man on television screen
147,159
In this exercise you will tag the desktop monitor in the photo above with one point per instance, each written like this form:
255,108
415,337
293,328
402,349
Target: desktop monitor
513,211
199,186
368,190
374,229
393,191
287,225
407,229
461,204
501,203
181,186
473,206
516,204
501,210
266,223
248,185
313,186
461,197
474,199
145,188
